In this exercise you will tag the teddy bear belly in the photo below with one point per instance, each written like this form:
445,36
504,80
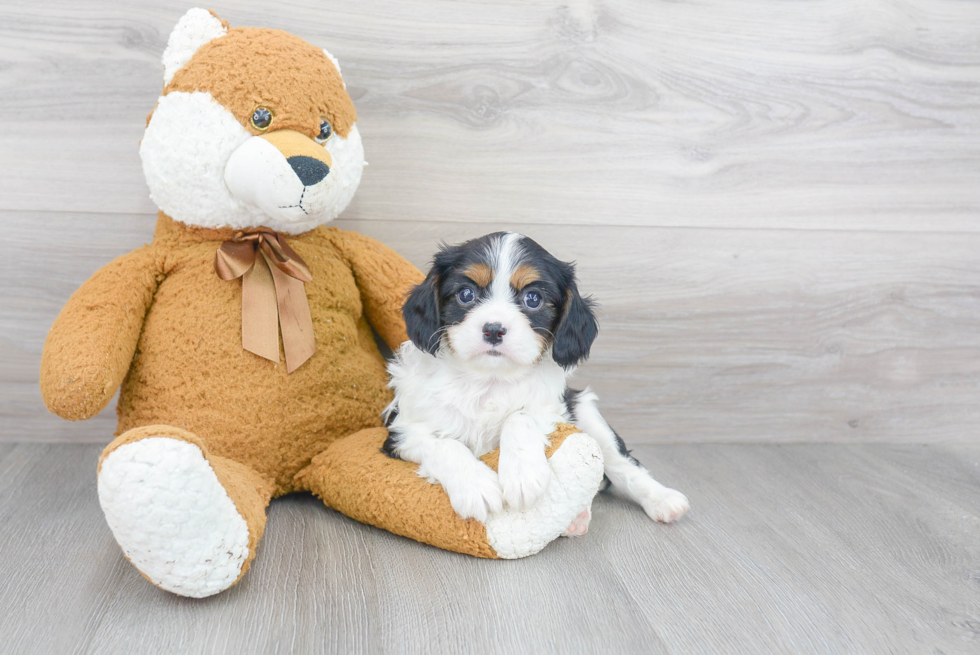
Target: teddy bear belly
191,371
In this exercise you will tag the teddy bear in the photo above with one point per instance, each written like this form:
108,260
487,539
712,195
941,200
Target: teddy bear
242,339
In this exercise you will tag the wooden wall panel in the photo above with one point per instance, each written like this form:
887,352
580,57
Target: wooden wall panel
707,334
830,114
776,203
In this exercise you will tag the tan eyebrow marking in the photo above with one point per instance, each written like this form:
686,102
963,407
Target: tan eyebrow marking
481,274
524,275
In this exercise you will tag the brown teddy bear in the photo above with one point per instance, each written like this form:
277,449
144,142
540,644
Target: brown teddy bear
252,147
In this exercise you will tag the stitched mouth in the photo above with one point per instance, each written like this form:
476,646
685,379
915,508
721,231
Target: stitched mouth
299,204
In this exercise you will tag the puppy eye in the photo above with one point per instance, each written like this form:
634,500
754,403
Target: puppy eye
532,299
261,118
326,131
465,296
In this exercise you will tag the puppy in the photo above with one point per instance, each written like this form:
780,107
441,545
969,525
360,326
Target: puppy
497,328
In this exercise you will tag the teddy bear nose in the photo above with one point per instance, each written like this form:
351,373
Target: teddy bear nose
308,170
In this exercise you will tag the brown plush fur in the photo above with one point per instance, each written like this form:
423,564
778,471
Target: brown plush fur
298,87
189,369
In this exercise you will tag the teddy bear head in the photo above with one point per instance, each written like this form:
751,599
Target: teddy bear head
254,129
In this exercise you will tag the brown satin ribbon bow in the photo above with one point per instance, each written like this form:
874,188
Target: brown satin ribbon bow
273,295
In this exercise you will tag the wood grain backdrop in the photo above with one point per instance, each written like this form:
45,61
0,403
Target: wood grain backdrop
776,203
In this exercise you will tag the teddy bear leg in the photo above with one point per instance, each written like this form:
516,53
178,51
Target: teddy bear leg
355,477
189,521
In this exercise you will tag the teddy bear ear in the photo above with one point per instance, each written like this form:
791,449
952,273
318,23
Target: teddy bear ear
194,29
336,64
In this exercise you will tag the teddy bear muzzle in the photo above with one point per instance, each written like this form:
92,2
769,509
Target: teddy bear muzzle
281,173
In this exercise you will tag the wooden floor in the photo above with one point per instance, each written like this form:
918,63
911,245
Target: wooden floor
788,549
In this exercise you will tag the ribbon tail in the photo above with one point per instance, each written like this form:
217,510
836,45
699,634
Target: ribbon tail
260,320
283,256
298,340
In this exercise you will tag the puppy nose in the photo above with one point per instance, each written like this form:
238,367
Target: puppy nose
308,170
493,333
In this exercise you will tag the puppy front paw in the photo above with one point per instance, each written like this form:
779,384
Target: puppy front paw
524,479
477,495
666,506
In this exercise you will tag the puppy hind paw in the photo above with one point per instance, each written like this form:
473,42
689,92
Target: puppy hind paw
579,525
667,506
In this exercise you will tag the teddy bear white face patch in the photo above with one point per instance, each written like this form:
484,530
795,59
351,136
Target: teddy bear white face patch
205,169
294,181
265,166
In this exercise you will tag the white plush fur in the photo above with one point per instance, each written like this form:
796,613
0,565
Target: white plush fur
184,150
194,29
171,516
258,176
205,169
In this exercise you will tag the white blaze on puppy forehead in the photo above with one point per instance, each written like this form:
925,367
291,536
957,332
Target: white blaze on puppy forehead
505,253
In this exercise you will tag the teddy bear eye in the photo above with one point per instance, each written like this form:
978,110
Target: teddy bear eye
261,118
326,131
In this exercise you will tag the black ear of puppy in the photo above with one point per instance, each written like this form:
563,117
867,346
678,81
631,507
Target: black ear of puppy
421,312
421,309
577,327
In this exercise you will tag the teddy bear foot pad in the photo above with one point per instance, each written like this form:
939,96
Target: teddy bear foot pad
172,517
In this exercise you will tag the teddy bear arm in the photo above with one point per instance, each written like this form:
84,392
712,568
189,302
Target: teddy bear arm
383,279
91,344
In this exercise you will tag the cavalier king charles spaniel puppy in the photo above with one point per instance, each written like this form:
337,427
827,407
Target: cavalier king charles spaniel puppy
497,328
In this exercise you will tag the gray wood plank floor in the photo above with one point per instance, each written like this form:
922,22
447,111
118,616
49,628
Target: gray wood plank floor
830,548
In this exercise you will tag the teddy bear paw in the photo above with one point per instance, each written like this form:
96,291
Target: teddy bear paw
576,469
171,516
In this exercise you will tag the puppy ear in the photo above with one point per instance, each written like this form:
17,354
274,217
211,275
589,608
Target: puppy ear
577,326
421,312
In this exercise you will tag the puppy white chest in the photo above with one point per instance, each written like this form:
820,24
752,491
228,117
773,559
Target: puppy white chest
456,403
480,412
